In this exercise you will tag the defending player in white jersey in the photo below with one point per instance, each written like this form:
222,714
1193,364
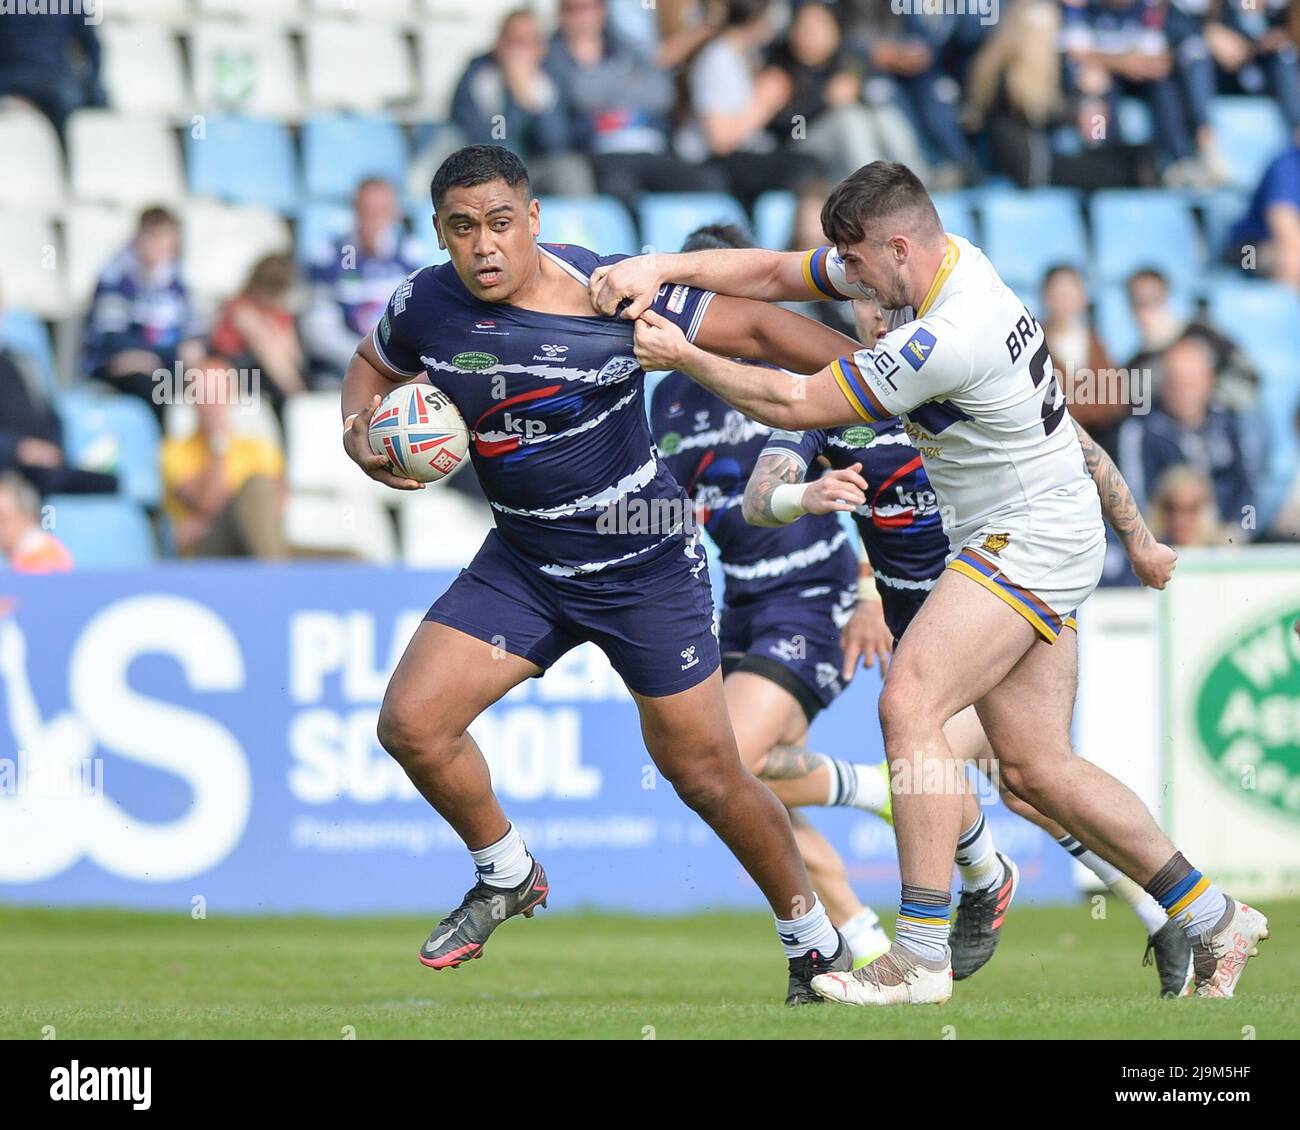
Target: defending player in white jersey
972,378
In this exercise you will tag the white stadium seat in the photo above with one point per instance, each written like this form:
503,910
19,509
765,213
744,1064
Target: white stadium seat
148,11
328,524
223,241
317,461
244,69
36,181
124,159
31,264
395,11
142,69
357,66
441,528
95,233
445,45
270,11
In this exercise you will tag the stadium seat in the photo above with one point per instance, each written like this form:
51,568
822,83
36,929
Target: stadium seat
1250,132
1133,228
102,531
36,181
320,225
1264,319
774,219
340,151
269,11
95,233
397,11
31,264
317,463
667,218
239,68
1113,318
1025,233
955,212
354,65
126,425
440,528
1136,124
26,334
223,241
598,222
157,11
336,526
123,159
244,161
142,68
1221,209
445,42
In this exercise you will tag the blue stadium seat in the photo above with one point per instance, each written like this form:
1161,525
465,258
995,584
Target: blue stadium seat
245,161
1250,132
1027,232
600,223
1134,228
320,225
667,218
24,332
1136,123
955,211
1264,318
89,417
774,219
340,152
102,532
1222,208
1113,318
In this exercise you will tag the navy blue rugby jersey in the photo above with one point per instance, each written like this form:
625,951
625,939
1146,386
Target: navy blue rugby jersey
711,449
900,522
554,405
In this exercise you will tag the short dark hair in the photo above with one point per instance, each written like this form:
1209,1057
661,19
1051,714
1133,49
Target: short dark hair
478,164
738,13
1061,269
875,192
711,237
157,216
1147,273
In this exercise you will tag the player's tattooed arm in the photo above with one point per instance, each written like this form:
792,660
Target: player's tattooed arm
790,762
772,470
1152,562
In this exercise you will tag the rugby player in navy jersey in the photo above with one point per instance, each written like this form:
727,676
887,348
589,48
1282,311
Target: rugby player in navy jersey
789,592
905,544
585,548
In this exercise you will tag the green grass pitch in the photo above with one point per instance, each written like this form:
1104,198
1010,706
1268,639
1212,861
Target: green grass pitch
1059,973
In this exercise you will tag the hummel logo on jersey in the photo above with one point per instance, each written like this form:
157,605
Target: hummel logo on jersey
691,658
555,350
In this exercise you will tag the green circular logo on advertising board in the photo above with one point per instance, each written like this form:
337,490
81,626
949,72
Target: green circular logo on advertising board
1247,715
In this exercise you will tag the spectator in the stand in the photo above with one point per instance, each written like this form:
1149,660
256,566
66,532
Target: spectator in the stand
1254,45
619,100
825,112
24,544
1267,238
50,58
1183,510
901,52
256,330
507,98
1014,91
1098,399
351,284
141,318
1237,384
1121,47
732,100
224,492
1188,426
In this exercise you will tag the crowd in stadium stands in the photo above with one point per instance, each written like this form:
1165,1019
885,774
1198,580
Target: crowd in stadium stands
764,106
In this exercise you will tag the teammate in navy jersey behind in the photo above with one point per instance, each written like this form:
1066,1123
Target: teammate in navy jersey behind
789,592
592,541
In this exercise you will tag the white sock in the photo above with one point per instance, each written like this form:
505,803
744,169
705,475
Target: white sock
811,931
505,863
1150,913
977,857
854,785
865,935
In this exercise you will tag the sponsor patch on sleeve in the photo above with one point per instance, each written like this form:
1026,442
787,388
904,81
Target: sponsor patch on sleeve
916,350
677,299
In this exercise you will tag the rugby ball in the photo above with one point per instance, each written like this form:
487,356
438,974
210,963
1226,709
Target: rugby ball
420,432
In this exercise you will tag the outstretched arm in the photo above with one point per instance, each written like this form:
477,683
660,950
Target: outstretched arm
1152,562
741,327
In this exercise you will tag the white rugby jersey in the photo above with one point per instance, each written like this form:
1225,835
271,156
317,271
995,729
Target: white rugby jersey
970,374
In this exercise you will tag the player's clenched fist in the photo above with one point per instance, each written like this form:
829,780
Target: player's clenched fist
1155,565
356,442
659,343
636,279
839,490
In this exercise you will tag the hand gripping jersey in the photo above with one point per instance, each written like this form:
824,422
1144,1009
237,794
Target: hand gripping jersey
971,377
554,405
